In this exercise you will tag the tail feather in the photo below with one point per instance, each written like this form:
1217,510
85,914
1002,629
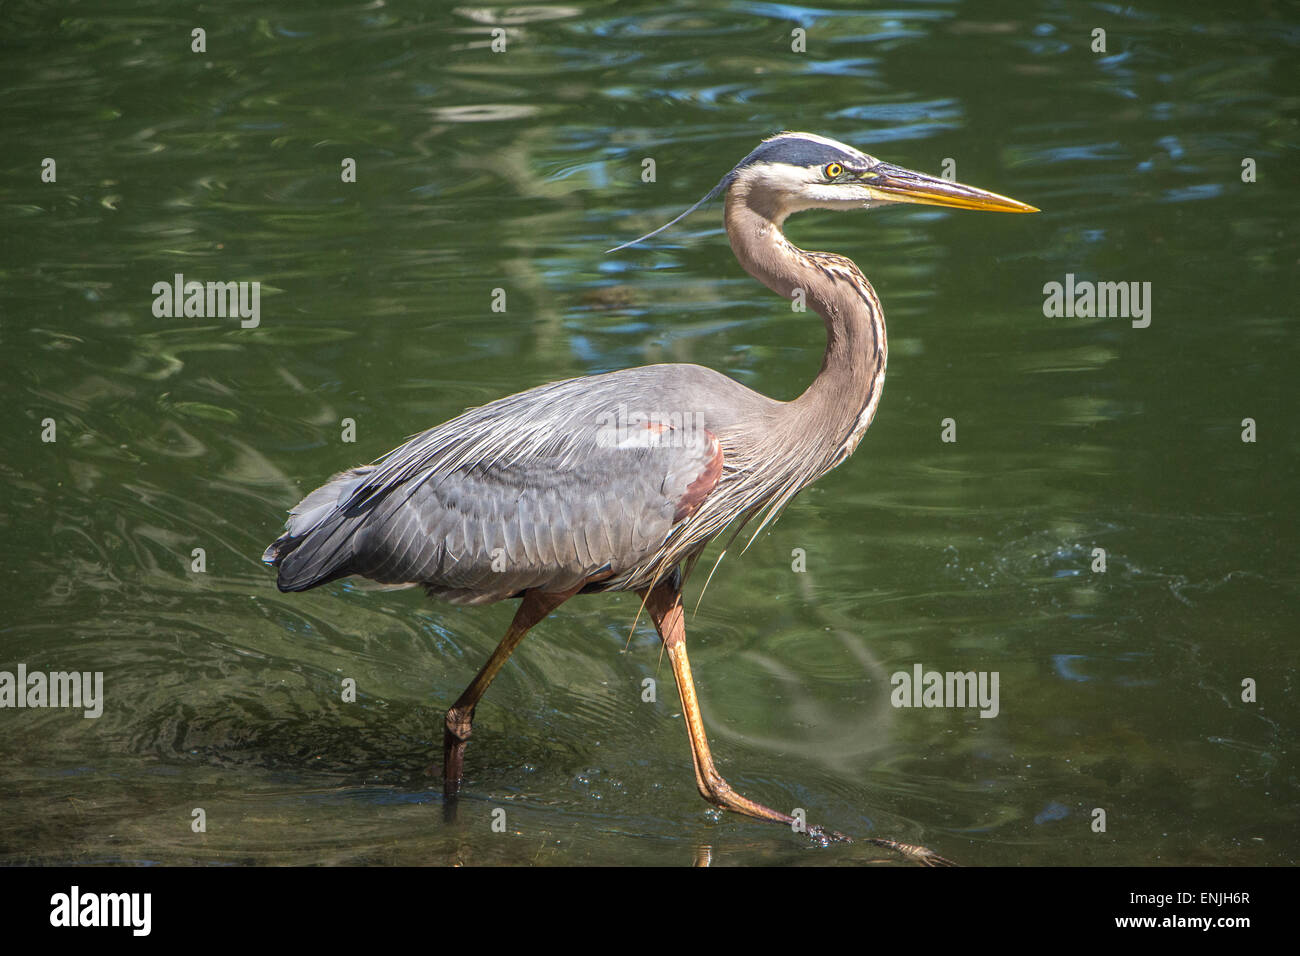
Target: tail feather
316,547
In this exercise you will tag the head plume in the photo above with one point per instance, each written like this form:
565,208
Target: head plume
797,149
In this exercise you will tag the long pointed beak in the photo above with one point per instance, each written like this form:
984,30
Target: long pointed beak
896,184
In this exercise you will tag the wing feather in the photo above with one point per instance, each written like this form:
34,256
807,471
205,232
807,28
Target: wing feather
537,480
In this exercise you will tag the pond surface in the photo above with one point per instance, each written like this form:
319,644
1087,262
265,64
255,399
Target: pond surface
1119,689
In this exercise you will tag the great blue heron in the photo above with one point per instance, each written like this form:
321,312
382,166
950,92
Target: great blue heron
617,482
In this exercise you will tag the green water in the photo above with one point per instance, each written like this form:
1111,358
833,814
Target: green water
479,171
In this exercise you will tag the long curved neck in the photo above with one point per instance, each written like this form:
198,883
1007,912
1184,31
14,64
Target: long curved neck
841,401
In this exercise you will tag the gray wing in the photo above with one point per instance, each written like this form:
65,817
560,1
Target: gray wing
563,485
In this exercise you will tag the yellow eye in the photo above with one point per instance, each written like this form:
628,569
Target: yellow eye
833,170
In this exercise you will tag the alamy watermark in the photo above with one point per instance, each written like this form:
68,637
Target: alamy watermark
633,429
78,909
210,300
76,689
1102,300
922,688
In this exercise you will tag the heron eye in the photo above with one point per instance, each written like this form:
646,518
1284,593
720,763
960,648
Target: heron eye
833,170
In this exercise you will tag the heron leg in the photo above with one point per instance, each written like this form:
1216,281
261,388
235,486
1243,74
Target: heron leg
460,718
664,603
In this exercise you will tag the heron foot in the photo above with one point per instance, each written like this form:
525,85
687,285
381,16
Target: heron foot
458,727
718,792
914,852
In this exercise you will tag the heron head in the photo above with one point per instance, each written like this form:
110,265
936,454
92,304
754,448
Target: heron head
790,172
